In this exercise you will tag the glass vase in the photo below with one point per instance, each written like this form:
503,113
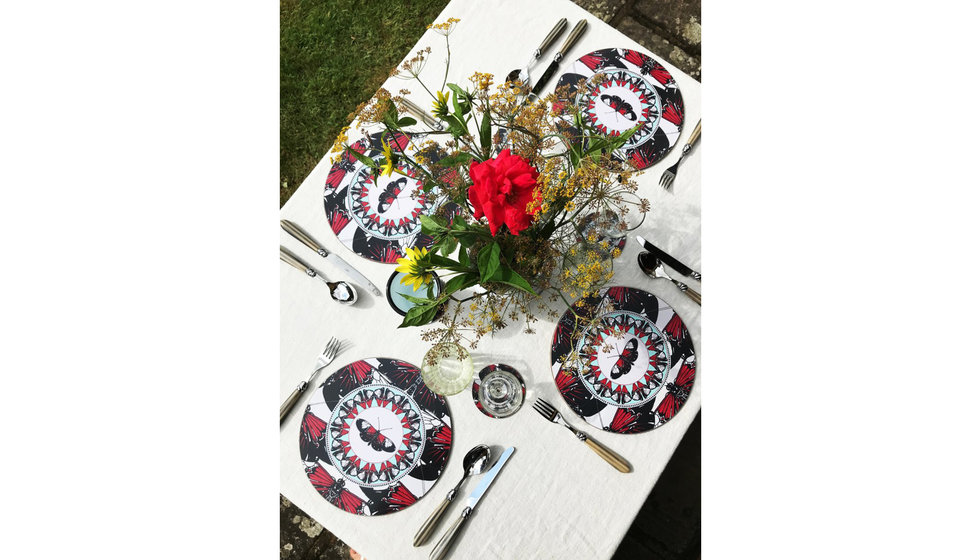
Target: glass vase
447,369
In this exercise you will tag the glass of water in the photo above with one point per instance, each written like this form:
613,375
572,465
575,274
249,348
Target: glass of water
499,391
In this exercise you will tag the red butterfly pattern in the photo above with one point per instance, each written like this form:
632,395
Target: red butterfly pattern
677,392
624,421
311,434
400,497
333,490
675,331
673,113
437,447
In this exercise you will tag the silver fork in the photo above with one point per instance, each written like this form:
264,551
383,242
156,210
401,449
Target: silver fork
551,414
667,179
330,352
654,267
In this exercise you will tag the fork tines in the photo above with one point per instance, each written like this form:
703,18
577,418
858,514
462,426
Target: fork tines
332,346
666,180
545,409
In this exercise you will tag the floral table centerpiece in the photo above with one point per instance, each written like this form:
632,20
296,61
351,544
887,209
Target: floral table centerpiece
541,193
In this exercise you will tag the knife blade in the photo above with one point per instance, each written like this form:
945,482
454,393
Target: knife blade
447,539
669,260
573,37
333,258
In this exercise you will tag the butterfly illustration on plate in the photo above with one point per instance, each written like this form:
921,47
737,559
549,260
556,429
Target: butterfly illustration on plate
390,194
373,437
626,360
678,391
333,490
617,104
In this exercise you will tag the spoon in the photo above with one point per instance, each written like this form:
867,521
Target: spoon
522,76
341,292
473,463
654,268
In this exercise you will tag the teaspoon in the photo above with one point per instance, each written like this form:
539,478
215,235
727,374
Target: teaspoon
473,463
522,75
341,292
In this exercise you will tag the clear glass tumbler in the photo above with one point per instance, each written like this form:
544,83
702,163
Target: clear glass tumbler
501,391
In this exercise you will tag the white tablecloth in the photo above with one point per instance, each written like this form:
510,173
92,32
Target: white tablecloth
555,498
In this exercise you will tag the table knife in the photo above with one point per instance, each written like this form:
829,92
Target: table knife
305,239
442,547
575,35
669,260
419,113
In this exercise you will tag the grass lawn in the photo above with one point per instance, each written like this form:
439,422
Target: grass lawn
333,56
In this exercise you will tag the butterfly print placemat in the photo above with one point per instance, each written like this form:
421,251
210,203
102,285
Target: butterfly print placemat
378,217
374,439
630,367
632,89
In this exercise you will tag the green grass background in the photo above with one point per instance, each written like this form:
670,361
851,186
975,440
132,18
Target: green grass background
334,54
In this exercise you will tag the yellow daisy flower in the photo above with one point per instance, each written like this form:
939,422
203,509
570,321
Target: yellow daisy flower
389,164
415,273
440,107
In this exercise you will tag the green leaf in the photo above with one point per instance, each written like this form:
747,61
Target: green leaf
419,300
406,121
421,314
363,158
457,90
431,225
455,160
444,262
449,245
461,282
456,128
488,260
464,255
485,134
508,276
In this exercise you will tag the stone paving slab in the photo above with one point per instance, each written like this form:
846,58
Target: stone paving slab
668,526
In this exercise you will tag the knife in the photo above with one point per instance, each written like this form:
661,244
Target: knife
305,239
422,115
575,35
442,547
669,260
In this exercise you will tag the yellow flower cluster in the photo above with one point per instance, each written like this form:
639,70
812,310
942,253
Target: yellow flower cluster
444,28
339,144
482,81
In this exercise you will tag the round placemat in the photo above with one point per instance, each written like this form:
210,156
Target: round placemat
634,89
378,217
630,368
374,439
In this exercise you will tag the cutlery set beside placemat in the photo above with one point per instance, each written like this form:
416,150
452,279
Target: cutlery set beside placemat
373,439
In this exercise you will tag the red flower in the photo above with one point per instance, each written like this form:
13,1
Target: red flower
502,189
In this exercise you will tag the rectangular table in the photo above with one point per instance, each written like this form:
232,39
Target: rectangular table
555,498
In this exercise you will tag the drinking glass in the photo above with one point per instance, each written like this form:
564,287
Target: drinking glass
501,391
447,368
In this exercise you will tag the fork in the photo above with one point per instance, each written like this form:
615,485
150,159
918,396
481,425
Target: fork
551,414
330,352
667,179
654,267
